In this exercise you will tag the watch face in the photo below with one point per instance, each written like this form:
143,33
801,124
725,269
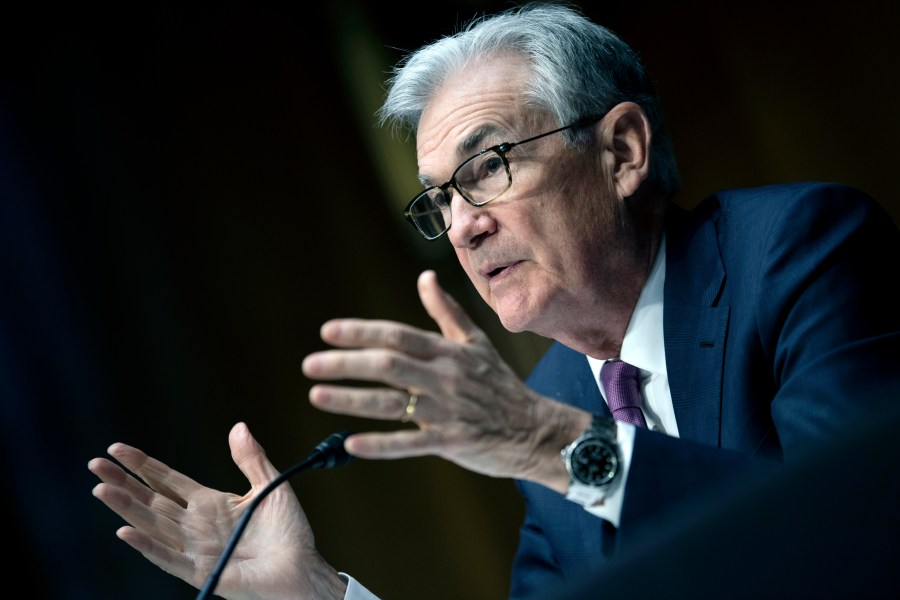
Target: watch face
594,462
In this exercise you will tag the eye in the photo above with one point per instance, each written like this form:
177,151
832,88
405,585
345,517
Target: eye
492,165
487,165
481,169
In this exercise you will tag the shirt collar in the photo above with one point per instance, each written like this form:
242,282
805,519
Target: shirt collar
643,343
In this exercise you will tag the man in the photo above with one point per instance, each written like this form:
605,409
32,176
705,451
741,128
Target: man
743,323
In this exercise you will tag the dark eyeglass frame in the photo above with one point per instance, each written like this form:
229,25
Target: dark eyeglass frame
501,150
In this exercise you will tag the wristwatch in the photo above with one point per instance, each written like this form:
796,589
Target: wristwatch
592,461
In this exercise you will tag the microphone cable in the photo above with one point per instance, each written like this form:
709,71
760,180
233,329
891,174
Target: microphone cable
327,454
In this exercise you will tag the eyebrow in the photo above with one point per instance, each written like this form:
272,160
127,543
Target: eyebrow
472,143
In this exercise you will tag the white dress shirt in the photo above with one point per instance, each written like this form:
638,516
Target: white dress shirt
642,347
355,590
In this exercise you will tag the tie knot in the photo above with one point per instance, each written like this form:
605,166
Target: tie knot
620,382
618,370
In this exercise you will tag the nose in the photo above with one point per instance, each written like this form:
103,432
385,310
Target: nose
469,224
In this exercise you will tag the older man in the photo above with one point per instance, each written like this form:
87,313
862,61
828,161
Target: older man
691,348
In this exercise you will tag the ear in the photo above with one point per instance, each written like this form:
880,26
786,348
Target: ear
625,138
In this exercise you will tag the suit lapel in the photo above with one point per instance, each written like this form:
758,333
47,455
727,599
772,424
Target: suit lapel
694,325
565,375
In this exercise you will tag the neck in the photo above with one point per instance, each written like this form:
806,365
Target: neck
600,328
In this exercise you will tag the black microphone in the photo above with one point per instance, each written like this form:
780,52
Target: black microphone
327,454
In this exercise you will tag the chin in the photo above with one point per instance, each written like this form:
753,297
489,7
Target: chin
516,318
512,326
528,309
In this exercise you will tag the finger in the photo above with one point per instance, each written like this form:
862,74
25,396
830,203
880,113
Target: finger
398,444
250,457
452,320
158,517
374,333
159,476
129,498
137,503
112,474
384,404
390,367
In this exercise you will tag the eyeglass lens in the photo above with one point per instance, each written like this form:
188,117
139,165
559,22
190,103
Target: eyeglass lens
480,179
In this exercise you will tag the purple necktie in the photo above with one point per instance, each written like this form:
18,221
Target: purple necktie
620,380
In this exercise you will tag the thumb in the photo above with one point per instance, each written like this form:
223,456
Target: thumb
250,457
452,320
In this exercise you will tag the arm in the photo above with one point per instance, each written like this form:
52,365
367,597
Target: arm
472,408
831,324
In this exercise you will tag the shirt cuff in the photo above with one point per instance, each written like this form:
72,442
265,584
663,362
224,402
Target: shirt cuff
611,508
355,590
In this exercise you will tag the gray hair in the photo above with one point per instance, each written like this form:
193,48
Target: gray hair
578,68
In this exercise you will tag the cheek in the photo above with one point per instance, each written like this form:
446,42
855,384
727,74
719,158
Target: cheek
463,257
559,218
589,209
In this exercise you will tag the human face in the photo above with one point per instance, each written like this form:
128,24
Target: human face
534,254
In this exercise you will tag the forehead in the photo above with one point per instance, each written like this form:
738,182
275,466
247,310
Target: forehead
473,108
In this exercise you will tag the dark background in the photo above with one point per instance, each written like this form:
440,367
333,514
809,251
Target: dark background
188,192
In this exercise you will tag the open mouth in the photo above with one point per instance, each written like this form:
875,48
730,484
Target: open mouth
500,270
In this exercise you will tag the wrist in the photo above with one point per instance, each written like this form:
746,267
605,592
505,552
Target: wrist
323,582
593,462
559,424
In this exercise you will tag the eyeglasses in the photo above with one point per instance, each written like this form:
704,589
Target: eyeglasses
479,179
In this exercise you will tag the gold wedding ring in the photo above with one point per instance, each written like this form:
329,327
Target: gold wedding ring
410,409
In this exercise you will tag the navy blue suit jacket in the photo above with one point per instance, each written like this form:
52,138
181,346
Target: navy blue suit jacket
775,298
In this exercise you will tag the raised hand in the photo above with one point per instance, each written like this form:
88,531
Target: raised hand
182,526
471,407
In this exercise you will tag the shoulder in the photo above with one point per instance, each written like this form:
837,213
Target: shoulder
809,197
748,234
800,209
